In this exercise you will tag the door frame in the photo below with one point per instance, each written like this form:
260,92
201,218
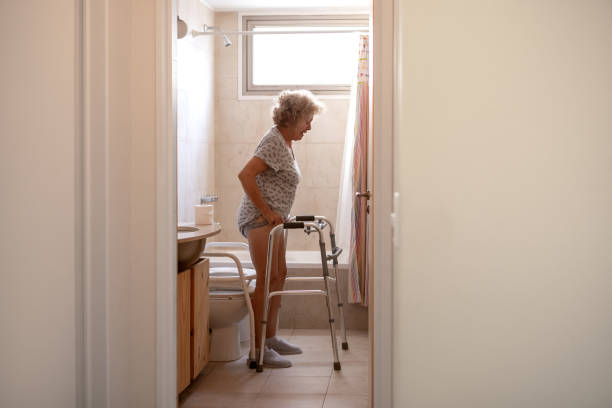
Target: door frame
93,303
93,295
165,84
382,120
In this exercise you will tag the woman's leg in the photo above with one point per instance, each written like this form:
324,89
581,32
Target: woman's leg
277,283
258,247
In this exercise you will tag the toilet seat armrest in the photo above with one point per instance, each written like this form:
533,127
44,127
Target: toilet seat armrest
241,245
227,255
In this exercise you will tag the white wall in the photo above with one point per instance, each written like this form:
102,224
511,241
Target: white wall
195,110
43,232
502,284
38,159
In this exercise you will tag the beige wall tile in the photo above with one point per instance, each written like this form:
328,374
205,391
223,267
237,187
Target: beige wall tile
226,210
195,175
227,20
240,123
323,164
226,87
227,63
195,111
236,122
330,125
325,202
231,159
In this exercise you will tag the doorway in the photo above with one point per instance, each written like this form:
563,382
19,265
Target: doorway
381,123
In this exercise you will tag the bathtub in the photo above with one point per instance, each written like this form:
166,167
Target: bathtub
309,312
296,260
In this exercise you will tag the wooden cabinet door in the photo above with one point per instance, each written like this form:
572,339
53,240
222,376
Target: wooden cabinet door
200,339
183,335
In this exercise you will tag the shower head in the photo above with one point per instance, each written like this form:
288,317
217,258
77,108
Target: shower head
226,41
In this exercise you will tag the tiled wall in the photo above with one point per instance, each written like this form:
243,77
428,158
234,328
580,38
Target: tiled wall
239,124
195,110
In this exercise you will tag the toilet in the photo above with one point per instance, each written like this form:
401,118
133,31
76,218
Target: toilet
229,315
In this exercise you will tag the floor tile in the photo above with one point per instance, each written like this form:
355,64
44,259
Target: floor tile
310,383
289,400
295,385
306,369
234,370
346,401
354,354
322,356
353,369
284,333
220,381
341,384
219,400
311,332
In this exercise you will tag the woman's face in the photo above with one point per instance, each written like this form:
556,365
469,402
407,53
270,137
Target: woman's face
302,126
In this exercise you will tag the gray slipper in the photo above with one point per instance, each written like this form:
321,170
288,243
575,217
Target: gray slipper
281,346
273,360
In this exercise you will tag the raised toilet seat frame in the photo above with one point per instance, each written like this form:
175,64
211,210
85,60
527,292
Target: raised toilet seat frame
242,277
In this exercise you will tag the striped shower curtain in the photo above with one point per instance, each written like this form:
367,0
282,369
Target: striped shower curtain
352,228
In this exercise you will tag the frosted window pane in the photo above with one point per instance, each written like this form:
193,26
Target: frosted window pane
304,59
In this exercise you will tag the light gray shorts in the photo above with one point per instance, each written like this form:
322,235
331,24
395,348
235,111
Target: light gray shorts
256,223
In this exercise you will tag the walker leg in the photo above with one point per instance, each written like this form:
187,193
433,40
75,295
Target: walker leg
332,238
262,335
345,345
262,340
332,325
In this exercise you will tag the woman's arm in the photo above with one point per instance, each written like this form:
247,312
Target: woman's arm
247,179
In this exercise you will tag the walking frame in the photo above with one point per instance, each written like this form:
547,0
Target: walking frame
309,223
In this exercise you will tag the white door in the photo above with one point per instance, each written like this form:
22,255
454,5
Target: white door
502,285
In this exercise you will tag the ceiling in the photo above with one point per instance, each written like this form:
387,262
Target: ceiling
227,5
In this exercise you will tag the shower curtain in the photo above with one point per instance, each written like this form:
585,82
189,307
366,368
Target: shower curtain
352,228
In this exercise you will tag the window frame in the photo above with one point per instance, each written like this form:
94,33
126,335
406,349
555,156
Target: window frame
249,21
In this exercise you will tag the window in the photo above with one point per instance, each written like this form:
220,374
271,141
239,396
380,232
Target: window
321,62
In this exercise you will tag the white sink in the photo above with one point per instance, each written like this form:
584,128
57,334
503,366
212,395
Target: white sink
182,228
188,252
191,240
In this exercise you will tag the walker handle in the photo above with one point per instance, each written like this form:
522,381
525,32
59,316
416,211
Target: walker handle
293,225
305,218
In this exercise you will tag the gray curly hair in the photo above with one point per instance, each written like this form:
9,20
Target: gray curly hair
292,105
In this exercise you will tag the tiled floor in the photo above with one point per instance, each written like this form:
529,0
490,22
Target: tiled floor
311,381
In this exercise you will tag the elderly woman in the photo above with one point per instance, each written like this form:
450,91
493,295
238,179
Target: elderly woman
270,180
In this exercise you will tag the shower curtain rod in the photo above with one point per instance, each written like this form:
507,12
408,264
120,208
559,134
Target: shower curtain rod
196,33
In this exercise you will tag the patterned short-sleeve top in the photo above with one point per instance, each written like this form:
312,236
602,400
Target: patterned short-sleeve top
277,184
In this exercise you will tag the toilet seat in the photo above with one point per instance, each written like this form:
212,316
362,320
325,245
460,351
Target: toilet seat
215,293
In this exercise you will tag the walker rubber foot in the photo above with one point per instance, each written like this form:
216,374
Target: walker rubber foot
259,368
345,346
337,366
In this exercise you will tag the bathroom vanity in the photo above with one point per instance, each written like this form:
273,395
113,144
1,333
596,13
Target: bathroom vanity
192,335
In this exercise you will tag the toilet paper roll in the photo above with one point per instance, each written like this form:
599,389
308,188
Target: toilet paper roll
204,214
